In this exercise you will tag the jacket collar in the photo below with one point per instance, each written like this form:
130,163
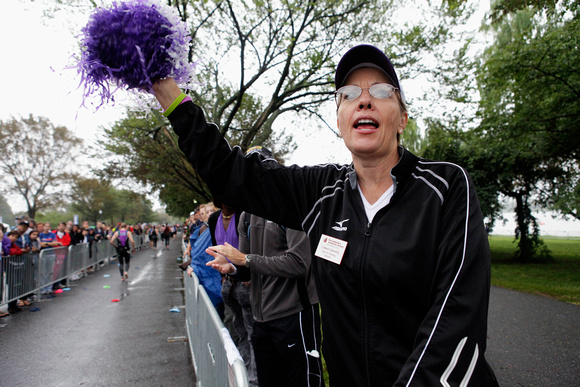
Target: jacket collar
399,173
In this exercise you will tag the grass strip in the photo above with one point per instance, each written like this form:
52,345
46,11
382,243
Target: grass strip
559,279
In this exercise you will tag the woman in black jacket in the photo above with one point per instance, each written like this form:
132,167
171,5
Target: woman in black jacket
400,254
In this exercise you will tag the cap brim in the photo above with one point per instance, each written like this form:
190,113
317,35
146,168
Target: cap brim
361,56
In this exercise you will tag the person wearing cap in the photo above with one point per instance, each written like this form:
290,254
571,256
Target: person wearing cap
23,240
400,256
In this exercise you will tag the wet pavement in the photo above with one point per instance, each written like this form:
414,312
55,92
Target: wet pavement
533,340
81,338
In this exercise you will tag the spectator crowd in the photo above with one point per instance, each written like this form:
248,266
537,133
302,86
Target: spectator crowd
29,237
270,310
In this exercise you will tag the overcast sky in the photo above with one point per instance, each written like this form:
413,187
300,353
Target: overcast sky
36,52
37,79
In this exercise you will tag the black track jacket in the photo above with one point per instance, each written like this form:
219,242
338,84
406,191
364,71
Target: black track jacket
408,304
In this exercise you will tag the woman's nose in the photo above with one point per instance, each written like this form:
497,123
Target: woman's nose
364,100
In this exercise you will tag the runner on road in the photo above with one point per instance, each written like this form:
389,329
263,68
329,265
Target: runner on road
122,246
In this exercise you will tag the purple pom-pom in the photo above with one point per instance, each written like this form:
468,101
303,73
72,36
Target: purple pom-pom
132,44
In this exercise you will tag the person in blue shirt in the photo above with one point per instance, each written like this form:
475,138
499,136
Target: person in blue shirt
47,240
47,237
209,278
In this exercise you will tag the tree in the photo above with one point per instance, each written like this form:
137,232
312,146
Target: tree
502,8
149,155
133,207
523,142
54,217
93,199
263,60
530,109
96,199
35,158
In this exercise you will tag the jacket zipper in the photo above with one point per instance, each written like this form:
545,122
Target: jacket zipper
362,281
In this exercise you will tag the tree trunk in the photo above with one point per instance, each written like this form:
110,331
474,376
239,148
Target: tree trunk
525,250
31,212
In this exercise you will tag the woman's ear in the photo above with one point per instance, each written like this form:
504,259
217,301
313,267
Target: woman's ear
403,123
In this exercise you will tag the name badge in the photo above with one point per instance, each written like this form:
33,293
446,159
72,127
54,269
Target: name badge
330,248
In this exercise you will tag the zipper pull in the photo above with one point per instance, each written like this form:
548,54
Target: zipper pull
368,230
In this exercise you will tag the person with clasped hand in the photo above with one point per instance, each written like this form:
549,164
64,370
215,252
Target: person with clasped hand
400,256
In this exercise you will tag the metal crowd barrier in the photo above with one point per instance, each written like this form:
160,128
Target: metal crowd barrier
22,275
216,360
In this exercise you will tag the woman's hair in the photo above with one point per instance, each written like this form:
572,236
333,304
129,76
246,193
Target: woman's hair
14,232
211,206
402,104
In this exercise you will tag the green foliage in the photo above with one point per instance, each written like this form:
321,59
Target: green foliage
97,200
565,196
92,199
150,156
412,139
470,151
501,9
133,207
54,217
530,109
35,157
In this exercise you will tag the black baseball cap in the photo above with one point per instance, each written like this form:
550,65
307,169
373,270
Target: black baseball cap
361,56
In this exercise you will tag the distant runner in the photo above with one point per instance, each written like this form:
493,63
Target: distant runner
122,246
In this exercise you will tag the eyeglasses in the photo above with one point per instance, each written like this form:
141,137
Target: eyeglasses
351,92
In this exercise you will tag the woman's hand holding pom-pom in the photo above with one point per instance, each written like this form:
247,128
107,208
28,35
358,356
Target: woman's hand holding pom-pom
132,44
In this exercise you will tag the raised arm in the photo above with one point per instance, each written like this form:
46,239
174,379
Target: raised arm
166,91
232,178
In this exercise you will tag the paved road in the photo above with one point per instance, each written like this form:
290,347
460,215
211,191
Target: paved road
81,338
533,340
